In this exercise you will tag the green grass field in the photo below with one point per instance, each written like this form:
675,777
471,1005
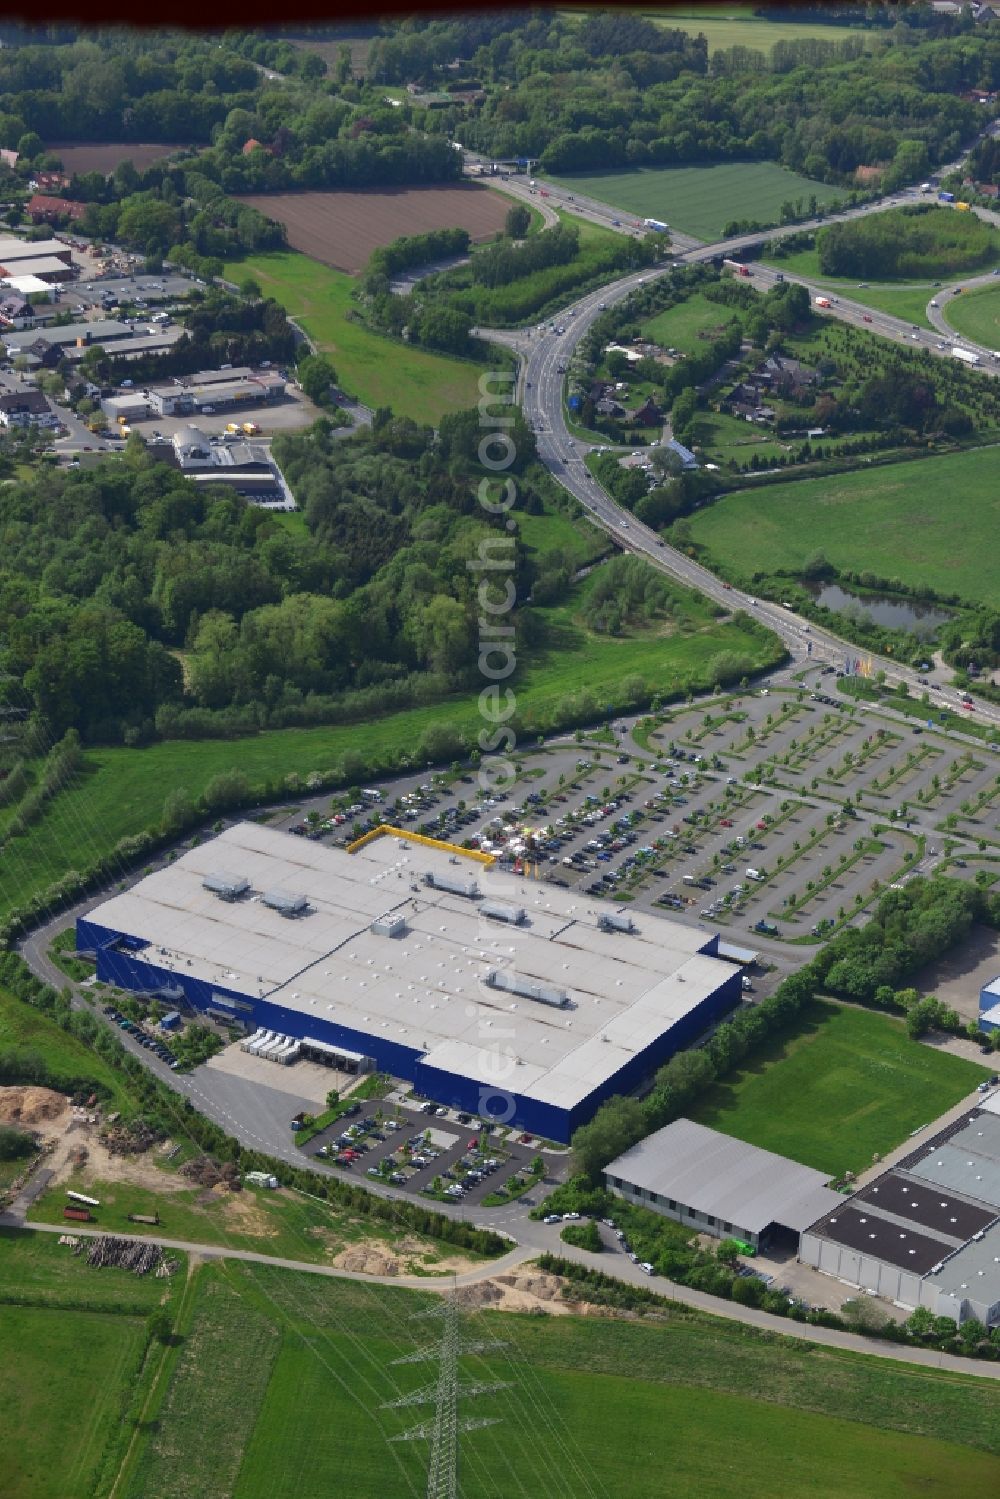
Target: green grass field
976,315
897,521
907,300
555,532
739,27
121,791
701,200
683,327
72,1383
379,371
280,1392
73,1352
843,1084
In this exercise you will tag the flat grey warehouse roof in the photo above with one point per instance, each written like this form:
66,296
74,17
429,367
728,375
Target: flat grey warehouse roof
726,1178
426,988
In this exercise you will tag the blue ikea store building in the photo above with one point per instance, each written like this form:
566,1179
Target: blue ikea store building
485,991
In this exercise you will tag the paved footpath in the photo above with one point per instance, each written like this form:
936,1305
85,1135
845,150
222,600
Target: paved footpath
698,1300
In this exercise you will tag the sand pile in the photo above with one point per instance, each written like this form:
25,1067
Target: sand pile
28,1106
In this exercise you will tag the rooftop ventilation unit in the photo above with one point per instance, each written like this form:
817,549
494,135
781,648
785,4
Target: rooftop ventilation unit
611,921
389,926
543,994
468,888
502,912
286,903
226,886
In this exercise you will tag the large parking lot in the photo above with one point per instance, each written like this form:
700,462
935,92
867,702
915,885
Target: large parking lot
774,816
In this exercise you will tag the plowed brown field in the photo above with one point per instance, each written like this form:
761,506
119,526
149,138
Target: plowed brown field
342,229
98,157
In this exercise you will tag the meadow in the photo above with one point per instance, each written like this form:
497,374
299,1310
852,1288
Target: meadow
897,521
283,1383
379,371
838,1087
685,325
701,200
281,1223
976,315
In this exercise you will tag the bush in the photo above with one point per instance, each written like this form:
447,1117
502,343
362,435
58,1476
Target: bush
582,1236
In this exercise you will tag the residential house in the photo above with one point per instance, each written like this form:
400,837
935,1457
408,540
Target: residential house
788,377
15,311
43,209
26,408
607,407
646,415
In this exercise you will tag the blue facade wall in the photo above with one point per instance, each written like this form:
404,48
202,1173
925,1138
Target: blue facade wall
135,970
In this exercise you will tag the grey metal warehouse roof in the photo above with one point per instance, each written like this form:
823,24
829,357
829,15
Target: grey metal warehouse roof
968,1162
726,1178
974,1272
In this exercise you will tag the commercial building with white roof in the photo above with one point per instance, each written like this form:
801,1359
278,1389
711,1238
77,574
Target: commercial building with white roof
719,1185
489,991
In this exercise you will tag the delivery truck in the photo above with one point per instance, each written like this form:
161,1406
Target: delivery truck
966,356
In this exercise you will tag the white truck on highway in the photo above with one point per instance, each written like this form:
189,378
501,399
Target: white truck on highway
966,356
657,225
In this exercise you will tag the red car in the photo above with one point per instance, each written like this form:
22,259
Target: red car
473,1143
866,317
727,585
725,822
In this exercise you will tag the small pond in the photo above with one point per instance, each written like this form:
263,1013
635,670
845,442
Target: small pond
886,609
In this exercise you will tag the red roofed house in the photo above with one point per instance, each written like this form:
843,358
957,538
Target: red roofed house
254,145
50,210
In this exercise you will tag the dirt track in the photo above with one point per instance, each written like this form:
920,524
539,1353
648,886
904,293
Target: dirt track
341,229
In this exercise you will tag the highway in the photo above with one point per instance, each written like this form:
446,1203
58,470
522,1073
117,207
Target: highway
545,353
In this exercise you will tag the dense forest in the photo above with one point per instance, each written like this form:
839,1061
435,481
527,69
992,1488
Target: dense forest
618,90
134,602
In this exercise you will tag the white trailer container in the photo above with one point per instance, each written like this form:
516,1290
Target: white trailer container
966,356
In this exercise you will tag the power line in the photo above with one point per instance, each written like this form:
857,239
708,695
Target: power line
445,1392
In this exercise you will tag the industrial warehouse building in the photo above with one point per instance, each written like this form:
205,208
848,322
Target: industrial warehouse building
487,991
721,1186
927,1231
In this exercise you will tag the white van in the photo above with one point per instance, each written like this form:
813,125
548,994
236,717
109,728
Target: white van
754,874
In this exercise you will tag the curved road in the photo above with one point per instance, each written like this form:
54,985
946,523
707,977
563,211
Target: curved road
544,354
783,1326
